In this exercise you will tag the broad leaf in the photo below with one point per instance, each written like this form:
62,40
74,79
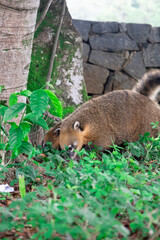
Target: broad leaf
13,111
28,172
56,103
15,137
40,121
26,148
3,109
13,125
38,102
25,126
13,99
26,93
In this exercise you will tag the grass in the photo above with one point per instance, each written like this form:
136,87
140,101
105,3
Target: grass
112,195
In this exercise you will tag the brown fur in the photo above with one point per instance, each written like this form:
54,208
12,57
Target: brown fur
115,117
53,136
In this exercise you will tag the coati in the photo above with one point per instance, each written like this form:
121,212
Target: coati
53,136
114,117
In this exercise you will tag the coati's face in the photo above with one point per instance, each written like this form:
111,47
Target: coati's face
73,138
53,136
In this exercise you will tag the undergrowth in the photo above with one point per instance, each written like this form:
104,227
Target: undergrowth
102,195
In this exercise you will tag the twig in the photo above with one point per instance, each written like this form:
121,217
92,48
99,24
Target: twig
43,14
3,154
47,114
55,44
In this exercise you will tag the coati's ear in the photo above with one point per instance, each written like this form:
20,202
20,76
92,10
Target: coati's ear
76,126
57,132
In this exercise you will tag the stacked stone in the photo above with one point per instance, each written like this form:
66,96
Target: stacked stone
116,55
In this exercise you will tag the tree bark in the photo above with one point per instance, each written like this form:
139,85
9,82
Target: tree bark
17,25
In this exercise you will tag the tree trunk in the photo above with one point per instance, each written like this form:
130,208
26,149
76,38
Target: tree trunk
17,24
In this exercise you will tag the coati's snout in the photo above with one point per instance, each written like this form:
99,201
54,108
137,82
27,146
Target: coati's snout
72,138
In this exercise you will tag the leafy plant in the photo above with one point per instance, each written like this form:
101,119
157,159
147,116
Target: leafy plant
115,196
38,102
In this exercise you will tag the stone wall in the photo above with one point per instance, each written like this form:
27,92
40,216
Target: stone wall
116,55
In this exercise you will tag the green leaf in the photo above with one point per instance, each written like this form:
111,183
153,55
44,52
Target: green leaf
28,172
13,111
13,99
38,102
22,186
2,146
25,126
13,125
55,102
123,230
3,109
135,191
1,88
26,93
26,148
40,121
15,137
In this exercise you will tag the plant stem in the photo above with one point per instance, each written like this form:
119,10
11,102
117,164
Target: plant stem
43,14
55,44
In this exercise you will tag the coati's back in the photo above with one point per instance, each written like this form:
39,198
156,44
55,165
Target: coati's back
115,117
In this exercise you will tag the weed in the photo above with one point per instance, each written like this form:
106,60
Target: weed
115,196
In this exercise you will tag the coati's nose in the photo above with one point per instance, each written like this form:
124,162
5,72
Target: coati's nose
72,153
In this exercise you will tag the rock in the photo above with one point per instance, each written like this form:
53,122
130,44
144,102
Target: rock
86,50
96,95
122,81
151,55
113,61
70,81
138,32
122,27
95,78
83,27
112,42
45,37
135,67
105,27
109,84
154,35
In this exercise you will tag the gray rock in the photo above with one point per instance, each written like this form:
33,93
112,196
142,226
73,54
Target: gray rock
154,35
122,81
95,78
86,50
105,27
96,95
151,55
113,61
138,32
83,27
109,84
122,27
112,42
135,67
